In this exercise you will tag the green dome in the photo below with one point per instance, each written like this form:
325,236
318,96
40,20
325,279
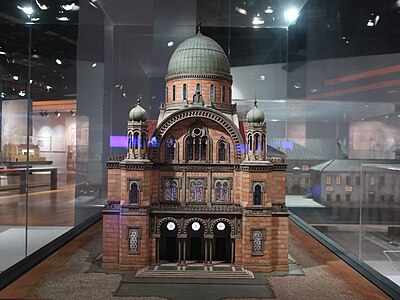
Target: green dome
198,55
255,115
138,113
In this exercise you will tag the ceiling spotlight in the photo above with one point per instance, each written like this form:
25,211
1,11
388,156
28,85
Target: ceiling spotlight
69,7
58,62
377,19
41,6
15,77
170,44
35,19
26,9
35,56
46,114
291,15
257,20
94,5
370,23
3,95
241,10
72,113
30,81
269,10
262,77
57,113
297,85
63,19
22,93
2,53
48,88
94,65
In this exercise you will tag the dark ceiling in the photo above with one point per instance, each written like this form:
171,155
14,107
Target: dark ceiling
324,30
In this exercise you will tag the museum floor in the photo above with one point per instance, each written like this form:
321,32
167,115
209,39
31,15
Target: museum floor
71,273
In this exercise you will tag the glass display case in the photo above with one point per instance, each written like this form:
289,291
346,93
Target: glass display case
325,74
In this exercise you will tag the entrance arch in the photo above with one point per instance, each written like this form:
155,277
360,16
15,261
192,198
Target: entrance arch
222,243
195,240
168,241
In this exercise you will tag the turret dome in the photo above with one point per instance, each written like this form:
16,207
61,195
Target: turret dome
138,113
255,115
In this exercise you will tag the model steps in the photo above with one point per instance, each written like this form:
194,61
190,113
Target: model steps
208,272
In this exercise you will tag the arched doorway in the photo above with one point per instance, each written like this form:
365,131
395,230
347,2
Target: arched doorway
169,241
222,242
195,241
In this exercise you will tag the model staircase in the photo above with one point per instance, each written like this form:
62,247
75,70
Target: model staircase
195,271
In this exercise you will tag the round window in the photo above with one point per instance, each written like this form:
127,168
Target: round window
196,226
171,226
221,226
197,131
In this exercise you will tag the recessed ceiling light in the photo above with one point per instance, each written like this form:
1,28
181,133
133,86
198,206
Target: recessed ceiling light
94,5
94,65
63,19
35,19
377,19
291,15
22,93
269,10
2,53
30,81
41,6
370,23
57,113
274,120
241,10
58,62
386,117
257,20
26,9
15,77
71,6
297,85
35,56
262,77
170,44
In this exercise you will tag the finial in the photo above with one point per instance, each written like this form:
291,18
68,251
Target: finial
255,100
198,27
139,99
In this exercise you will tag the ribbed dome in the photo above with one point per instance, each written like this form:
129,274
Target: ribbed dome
198,55
138,113
255,115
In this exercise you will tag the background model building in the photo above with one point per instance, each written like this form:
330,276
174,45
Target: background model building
200,187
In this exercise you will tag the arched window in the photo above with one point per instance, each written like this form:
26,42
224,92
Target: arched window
263,142
222,191
144,141
223,151
225,191
173,93
170,190
218,191
257,194
212,92
184,91
130,140
203,155
197,144
223,93
136,140
170,149
134,193
196,190
198,87
189,148
256,142
250,138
